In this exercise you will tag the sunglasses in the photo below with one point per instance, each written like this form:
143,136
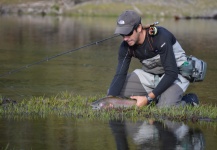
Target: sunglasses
124,35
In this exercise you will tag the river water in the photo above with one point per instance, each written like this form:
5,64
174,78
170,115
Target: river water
55,133
88,71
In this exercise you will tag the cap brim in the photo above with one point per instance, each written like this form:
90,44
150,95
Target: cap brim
123,30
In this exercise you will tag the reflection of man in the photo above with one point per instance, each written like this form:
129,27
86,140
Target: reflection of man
161,55
157,135
118,129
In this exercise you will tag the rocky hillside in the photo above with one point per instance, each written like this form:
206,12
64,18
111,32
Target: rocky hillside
148,8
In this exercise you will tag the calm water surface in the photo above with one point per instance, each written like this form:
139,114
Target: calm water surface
88,71
28,39
55,133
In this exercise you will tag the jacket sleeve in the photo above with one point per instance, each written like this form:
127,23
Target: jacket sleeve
124,59
168,61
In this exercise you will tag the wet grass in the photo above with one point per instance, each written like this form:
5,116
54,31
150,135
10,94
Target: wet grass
77,106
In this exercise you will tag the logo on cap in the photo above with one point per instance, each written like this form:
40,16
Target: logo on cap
121,22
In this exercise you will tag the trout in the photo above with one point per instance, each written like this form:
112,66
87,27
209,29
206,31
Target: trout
113,102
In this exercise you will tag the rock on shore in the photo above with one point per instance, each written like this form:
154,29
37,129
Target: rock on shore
40,7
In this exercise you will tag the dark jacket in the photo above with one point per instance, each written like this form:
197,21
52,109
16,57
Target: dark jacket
163,46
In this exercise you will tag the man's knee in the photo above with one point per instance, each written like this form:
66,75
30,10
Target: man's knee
171,97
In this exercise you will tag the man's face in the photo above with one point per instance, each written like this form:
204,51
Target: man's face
131,38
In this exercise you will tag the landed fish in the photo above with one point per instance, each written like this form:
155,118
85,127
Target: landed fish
113,102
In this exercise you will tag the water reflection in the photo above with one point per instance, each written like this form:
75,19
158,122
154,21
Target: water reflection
56,133
35,38
155,135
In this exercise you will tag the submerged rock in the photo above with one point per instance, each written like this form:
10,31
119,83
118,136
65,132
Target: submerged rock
6,101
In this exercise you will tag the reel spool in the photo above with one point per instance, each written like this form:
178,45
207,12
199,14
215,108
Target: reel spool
153,29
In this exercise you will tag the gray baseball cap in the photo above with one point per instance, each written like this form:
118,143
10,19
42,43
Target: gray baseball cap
127,21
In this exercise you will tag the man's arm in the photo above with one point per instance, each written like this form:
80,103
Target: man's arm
124,59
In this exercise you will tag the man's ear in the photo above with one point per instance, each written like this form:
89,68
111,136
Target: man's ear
139,28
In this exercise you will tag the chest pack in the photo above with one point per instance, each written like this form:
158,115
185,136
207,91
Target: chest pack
193,69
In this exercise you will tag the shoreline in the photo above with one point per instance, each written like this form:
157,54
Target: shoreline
159,9
78,106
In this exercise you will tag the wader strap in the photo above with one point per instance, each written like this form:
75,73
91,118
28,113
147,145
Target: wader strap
156,80
132,52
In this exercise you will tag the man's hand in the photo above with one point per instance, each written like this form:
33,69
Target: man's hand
141,100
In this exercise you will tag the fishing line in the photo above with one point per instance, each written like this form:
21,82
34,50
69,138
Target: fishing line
54,56
120,70
50,58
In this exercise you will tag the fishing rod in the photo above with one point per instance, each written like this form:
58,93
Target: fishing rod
54,56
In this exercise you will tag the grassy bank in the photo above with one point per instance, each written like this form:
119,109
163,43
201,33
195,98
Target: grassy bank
67,105
148,8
